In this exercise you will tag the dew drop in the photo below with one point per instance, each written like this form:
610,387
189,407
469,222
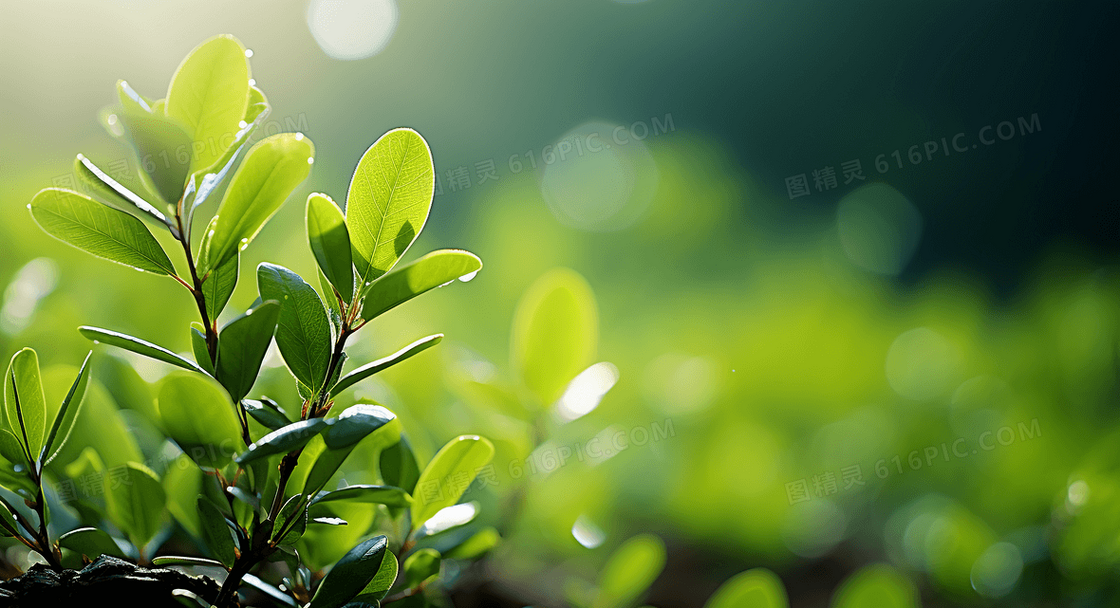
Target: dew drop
242,124
310,161
285,297
97,341
249,312
248,52
467,277
252,82
112,120
28,205
211,235
299,136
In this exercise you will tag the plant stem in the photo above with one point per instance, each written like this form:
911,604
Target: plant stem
199,297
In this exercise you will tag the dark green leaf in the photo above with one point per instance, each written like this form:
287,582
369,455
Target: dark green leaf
330,242
292,516
398,466
266,413
67,413
11,448
370,369
436,269
215,531
354,423
284,440
219,283
242,346
138,346
182,560
383,495
303,333
351,574
90,542
461,457
201,351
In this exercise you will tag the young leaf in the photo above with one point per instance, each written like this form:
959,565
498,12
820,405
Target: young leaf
198,346
877,585
303,333
759,588
555,333
370,369
242,346
197,413
330,242
208,94
91,174
284,440
382,495
388,201
398,465
271,170
351,574
630,571
67,413
462,456
209,179
215,532
99,229
420,566
24,403
90,542
138,346
135,500
162,144
436,269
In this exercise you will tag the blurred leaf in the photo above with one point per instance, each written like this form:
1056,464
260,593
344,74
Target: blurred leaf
631,569
24,403
398,466
180,560
138,346
270,172
388,201
135,501
197,413
215,531
208,95
116,192
435,269
477,545
182,482
198,346
350,576
357,375
271,591
242,346
67,413
446,519
880,586
99,229
555,333
303,333
330,242
420,566
757,588
284,440
162,144
461,457
90,542
265,413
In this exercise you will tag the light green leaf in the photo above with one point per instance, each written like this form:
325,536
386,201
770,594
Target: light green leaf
631,569
138,346
162,144
420,566
365,371
271,170
90,542
67,414
219,283
555,333
436,269
398,466
135,501
209,94
330,242
462,456
478,544
182,483
303,333
446,519
351,574
11,448
99,229
242,346
757,588
376,589
198,346
388,201
209,179
197,413
215,532
880,586
116,192
284,440
24,403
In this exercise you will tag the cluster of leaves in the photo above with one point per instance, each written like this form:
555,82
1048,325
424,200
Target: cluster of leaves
257,473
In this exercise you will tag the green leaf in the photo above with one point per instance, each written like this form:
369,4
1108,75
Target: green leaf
8,521
355,423
182,482
209,179
135,500
215,531
182,560
330,300
381,495
330,242
271,591
463,455
378,588
197,413
880,586
11,448
116,192
446,519
398,466
162,144
138,346
99,229
370,369
266,413
436,269
198,346
218,285
420,566
242,346
630,570
351,574
388,201
303,333
24,403
67,414
555,333
325,465
90,542
209,94
284,440
291,509
757,588
270,172
476,545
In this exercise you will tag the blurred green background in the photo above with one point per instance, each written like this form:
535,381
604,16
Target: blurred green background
962,308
